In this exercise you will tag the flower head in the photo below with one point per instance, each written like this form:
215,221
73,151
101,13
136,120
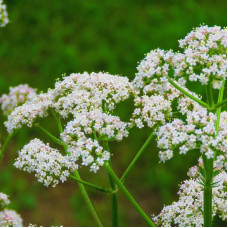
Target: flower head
17,96
9,218
183,124
4,201
49,165
3,14
84,133
75,93
187,211
197,132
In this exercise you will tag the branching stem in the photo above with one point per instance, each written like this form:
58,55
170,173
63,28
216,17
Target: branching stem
128,195
137,156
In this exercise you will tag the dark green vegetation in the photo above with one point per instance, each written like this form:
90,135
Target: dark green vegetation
47,38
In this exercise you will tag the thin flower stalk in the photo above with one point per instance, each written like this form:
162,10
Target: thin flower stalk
139,153
129,196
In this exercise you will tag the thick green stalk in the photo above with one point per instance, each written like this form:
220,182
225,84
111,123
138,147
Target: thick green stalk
5,144
207,196
128,195
208,167
98,188
114,198
87,200
208,163
137,156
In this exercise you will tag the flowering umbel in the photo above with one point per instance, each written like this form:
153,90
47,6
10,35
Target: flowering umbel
17,96
181,122
49,165
187,211
86,102
3,14
8,218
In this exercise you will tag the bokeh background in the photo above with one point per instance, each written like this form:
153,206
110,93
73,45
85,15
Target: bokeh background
48,38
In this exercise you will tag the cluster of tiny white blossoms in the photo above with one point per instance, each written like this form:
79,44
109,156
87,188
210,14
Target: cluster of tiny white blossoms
90,99
151,78
86,101
3,14
196,133
154,110
4,200
151,82
17,96
84,133
75,93
85,92
203,59
187,211
27,113
49,164
8,218
205,50
187,125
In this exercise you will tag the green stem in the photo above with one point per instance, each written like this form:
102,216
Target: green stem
202,103
101,189
220,104
218,111
77,176
114,201
207,191
207,197
208,163
137,156
114,198
87,200
209,93
50,135
208,167
128,195
6,144
58,121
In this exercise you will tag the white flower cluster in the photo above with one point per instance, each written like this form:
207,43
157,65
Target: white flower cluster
49,164
3,14
17,96
192,126
205,49
151,110
187,211
8,218
151,78
204,58
29,112
86,100
85,92
94,124
4,201
196,133
76,93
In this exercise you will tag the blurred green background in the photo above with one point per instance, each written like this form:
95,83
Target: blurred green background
46,38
